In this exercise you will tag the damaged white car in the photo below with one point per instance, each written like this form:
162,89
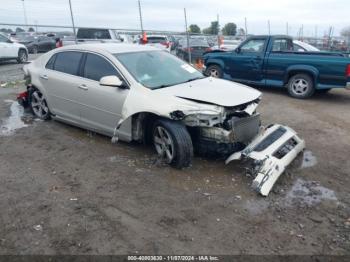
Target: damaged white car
139,93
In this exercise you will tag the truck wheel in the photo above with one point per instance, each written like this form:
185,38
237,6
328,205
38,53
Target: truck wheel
38,105
214,71
173,143
22,56
301,86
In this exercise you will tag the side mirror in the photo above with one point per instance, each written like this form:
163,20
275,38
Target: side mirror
113,81
238,50
9,41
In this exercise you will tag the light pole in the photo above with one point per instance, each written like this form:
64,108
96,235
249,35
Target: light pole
24,13
140,14
71,14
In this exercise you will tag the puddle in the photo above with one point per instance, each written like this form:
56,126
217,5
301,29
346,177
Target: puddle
309,160
14,121
309,193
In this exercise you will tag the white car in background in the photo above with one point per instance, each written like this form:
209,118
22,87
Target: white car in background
300,46
10,50
159,41
228,45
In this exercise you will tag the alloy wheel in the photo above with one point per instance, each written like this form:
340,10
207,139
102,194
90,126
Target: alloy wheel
164,144
39,105
300,86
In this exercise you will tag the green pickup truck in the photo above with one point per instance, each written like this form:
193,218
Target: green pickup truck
270,61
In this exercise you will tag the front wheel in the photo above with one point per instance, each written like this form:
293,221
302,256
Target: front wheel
214,71
22,56
173,143
301,86
39,105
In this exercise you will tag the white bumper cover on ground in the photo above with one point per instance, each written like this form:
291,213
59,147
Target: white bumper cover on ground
271,151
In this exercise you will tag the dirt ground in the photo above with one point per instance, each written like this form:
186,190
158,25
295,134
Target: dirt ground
64,190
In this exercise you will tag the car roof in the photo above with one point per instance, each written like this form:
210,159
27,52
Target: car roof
113,48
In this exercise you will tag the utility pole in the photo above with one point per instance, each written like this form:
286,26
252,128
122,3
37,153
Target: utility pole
268,25
140,14
188,38
71,14
287,29
218,35
246,27
25,13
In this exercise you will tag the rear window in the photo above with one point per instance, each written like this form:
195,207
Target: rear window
93,33
67,62
154,40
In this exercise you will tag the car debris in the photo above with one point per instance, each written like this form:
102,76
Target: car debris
271,151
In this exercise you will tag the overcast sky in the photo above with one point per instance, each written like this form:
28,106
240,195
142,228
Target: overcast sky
168,14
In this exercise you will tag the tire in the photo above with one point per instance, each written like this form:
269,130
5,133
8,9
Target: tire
38,105
35,49
214,71
173,143
301,86
22,56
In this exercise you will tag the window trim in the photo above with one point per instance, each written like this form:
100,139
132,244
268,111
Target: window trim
60,52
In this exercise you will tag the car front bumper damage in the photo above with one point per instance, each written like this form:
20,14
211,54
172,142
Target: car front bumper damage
270,153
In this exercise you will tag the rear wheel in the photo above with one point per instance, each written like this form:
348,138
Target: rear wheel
39,105
173,143
35,49
214,71
22,56
301,86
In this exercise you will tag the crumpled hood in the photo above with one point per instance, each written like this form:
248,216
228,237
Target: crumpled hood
214,91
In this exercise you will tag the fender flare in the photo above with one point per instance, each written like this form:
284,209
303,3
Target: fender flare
311,70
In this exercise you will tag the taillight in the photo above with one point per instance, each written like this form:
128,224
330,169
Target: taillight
166,44
347,73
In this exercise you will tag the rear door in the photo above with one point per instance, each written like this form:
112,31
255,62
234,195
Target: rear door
246,65
61,81
100,106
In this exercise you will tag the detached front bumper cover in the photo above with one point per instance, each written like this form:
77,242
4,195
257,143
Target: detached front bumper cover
271,151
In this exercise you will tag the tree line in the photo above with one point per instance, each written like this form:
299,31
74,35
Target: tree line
213,29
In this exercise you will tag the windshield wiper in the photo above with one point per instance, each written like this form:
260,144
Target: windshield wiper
161,86
194,79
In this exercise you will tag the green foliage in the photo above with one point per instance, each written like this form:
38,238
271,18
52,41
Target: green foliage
213,29
229,29
194,29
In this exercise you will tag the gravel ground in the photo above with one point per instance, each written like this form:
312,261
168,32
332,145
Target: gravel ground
64,190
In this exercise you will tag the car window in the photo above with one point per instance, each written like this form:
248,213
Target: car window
97,67
68,62
93,34
254,45
298,48
282,45
51,62
3,39
155,39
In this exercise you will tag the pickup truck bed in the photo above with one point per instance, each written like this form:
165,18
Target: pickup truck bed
271,61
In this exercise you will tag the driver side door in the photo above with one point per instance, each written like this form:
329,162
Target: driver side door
100,106
246,64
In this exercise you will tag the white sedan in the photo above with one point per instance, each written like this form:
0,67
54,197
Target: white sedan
140,93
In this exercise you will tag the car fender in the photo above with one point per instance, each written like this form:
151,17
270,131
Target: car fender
313,71
216,61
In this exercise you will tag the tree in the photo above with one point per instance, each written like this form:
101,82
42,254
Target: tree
194,29
213,29
18,30
241,32
229,29
31,29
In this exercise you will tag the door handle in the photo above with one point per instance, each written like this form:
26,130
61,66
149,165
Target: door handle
84,87
45,77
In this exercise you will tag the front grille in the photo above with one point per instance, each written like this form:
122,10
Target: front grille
245,129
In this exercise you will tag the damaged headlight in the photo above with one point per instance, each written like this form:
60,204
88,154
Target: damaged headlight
204,119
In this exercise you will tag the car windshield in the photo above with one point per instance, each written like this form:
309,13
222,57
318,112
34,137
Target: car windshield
158,69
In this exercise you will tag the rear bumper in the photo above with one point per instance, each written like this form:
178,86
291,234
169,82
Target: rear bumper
271,151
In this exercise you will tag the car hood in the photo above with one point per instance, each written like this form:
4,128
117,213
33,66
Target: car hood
213,91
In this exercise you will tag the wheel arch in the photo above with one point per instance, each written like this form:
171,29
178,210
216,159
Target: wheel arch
308,70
